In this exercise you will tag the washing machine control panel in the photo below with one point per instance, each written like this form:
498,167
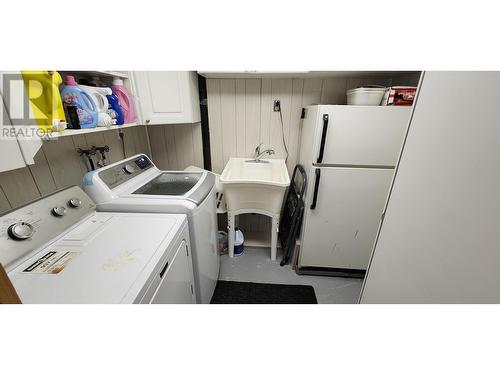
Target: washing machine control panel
26,228
125,171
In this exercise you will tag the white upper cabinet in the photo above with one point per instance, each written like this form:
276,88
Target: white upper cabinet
167,97
19,140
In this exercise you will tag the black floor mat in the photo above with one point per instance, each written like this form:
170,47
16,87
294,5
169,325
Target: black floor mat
240,292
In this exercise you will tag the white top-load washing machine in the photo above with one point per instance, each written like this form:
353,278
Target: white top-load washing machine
58,249
135,184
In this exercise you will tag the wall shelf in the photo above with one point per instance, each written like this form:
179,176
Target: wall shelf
305,74
108,75
119,74
70,132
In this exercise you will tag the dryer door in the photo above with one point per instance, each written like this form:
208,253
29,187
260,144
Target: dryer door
176,285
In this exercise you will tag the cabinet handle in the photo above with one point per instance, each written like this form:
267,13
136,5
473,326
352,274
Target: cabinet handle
148,121
323,139
162,272
316,188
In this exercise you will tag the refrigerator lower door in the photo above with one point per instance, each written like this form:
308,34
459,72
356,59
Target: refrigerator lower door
343,211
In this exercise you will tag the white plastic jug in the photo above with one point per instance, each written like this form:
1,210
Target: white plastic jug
238,242
99,96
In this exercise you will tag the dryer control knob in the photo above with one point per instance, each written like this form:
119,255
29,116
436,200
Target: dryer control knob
129,169
74,203
59,211
20,231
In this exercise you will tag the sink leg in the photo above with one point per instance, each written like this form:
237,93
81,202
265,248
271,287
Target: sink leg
274,237
230,234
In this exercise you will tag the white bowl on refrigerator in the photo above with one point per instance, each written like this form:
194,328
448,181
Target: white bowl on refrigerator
365,96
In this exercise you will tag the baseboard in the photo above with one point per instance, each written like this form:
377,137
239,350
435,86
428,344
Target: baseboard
336,272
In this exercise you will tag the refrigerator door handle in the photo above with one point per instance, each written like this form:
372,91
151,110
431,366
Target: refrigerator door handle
316,188
323,139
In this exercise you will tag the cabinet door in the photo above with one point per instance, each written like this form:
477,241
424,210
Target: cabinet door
340,231
11,156
176,284
13,106
168,97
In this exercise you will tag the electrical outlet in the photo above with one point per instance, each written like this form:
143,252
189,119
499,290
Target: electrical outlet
277,106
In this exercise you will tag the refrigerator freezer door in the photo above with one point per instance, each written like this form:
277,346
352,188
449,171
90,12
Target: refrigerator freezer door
359,135
340,231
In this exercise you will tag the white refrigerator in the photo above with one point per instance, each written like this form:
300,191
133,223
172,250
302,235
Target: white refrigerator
349,154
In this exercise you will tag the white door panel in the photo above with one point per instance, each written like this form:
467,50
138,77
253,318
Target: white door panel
362,135
340,231
168,97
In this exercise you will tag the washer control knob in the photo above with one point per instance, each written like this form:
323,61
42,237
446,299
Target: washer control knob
129,169
20,231
74,202
59,211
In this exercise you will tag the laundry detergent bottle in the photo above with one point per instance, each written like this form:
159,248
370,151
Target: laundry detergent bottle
99,95
42,88
125,100
74,96
114,110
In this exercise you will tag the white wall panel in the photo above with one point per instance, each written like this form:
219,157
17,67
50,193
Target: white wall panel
176,147
252,115
228,118
439,241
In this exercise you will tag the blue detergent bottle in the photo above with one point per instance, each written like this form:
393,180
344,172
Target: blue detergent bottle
115,111
86,109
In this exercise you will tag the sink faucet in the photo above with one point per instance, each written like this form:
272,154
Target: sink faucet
259,154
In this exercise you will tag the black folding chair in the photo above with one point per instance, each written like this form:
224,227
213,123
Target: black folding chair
291,217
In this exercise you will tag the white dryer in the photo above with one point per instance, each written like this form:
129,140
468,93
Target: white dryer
58,249
137,185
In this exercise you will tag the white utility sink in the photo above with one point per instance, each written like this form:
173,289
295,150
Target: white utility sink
255,185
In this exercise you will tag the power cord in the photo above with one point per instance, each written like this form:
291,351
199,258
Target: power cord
121,135
283,133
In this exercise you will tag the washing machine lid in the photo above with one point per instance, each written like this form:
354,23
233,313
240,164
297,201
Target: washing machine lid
137,177
194,186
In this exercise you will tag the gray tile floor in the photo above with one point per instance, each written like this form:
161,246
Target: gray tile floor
255,265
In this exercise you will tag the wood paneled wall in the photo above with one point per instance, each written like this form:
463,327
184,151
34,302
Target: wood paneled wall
241,112
241,116
57,164
175,147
